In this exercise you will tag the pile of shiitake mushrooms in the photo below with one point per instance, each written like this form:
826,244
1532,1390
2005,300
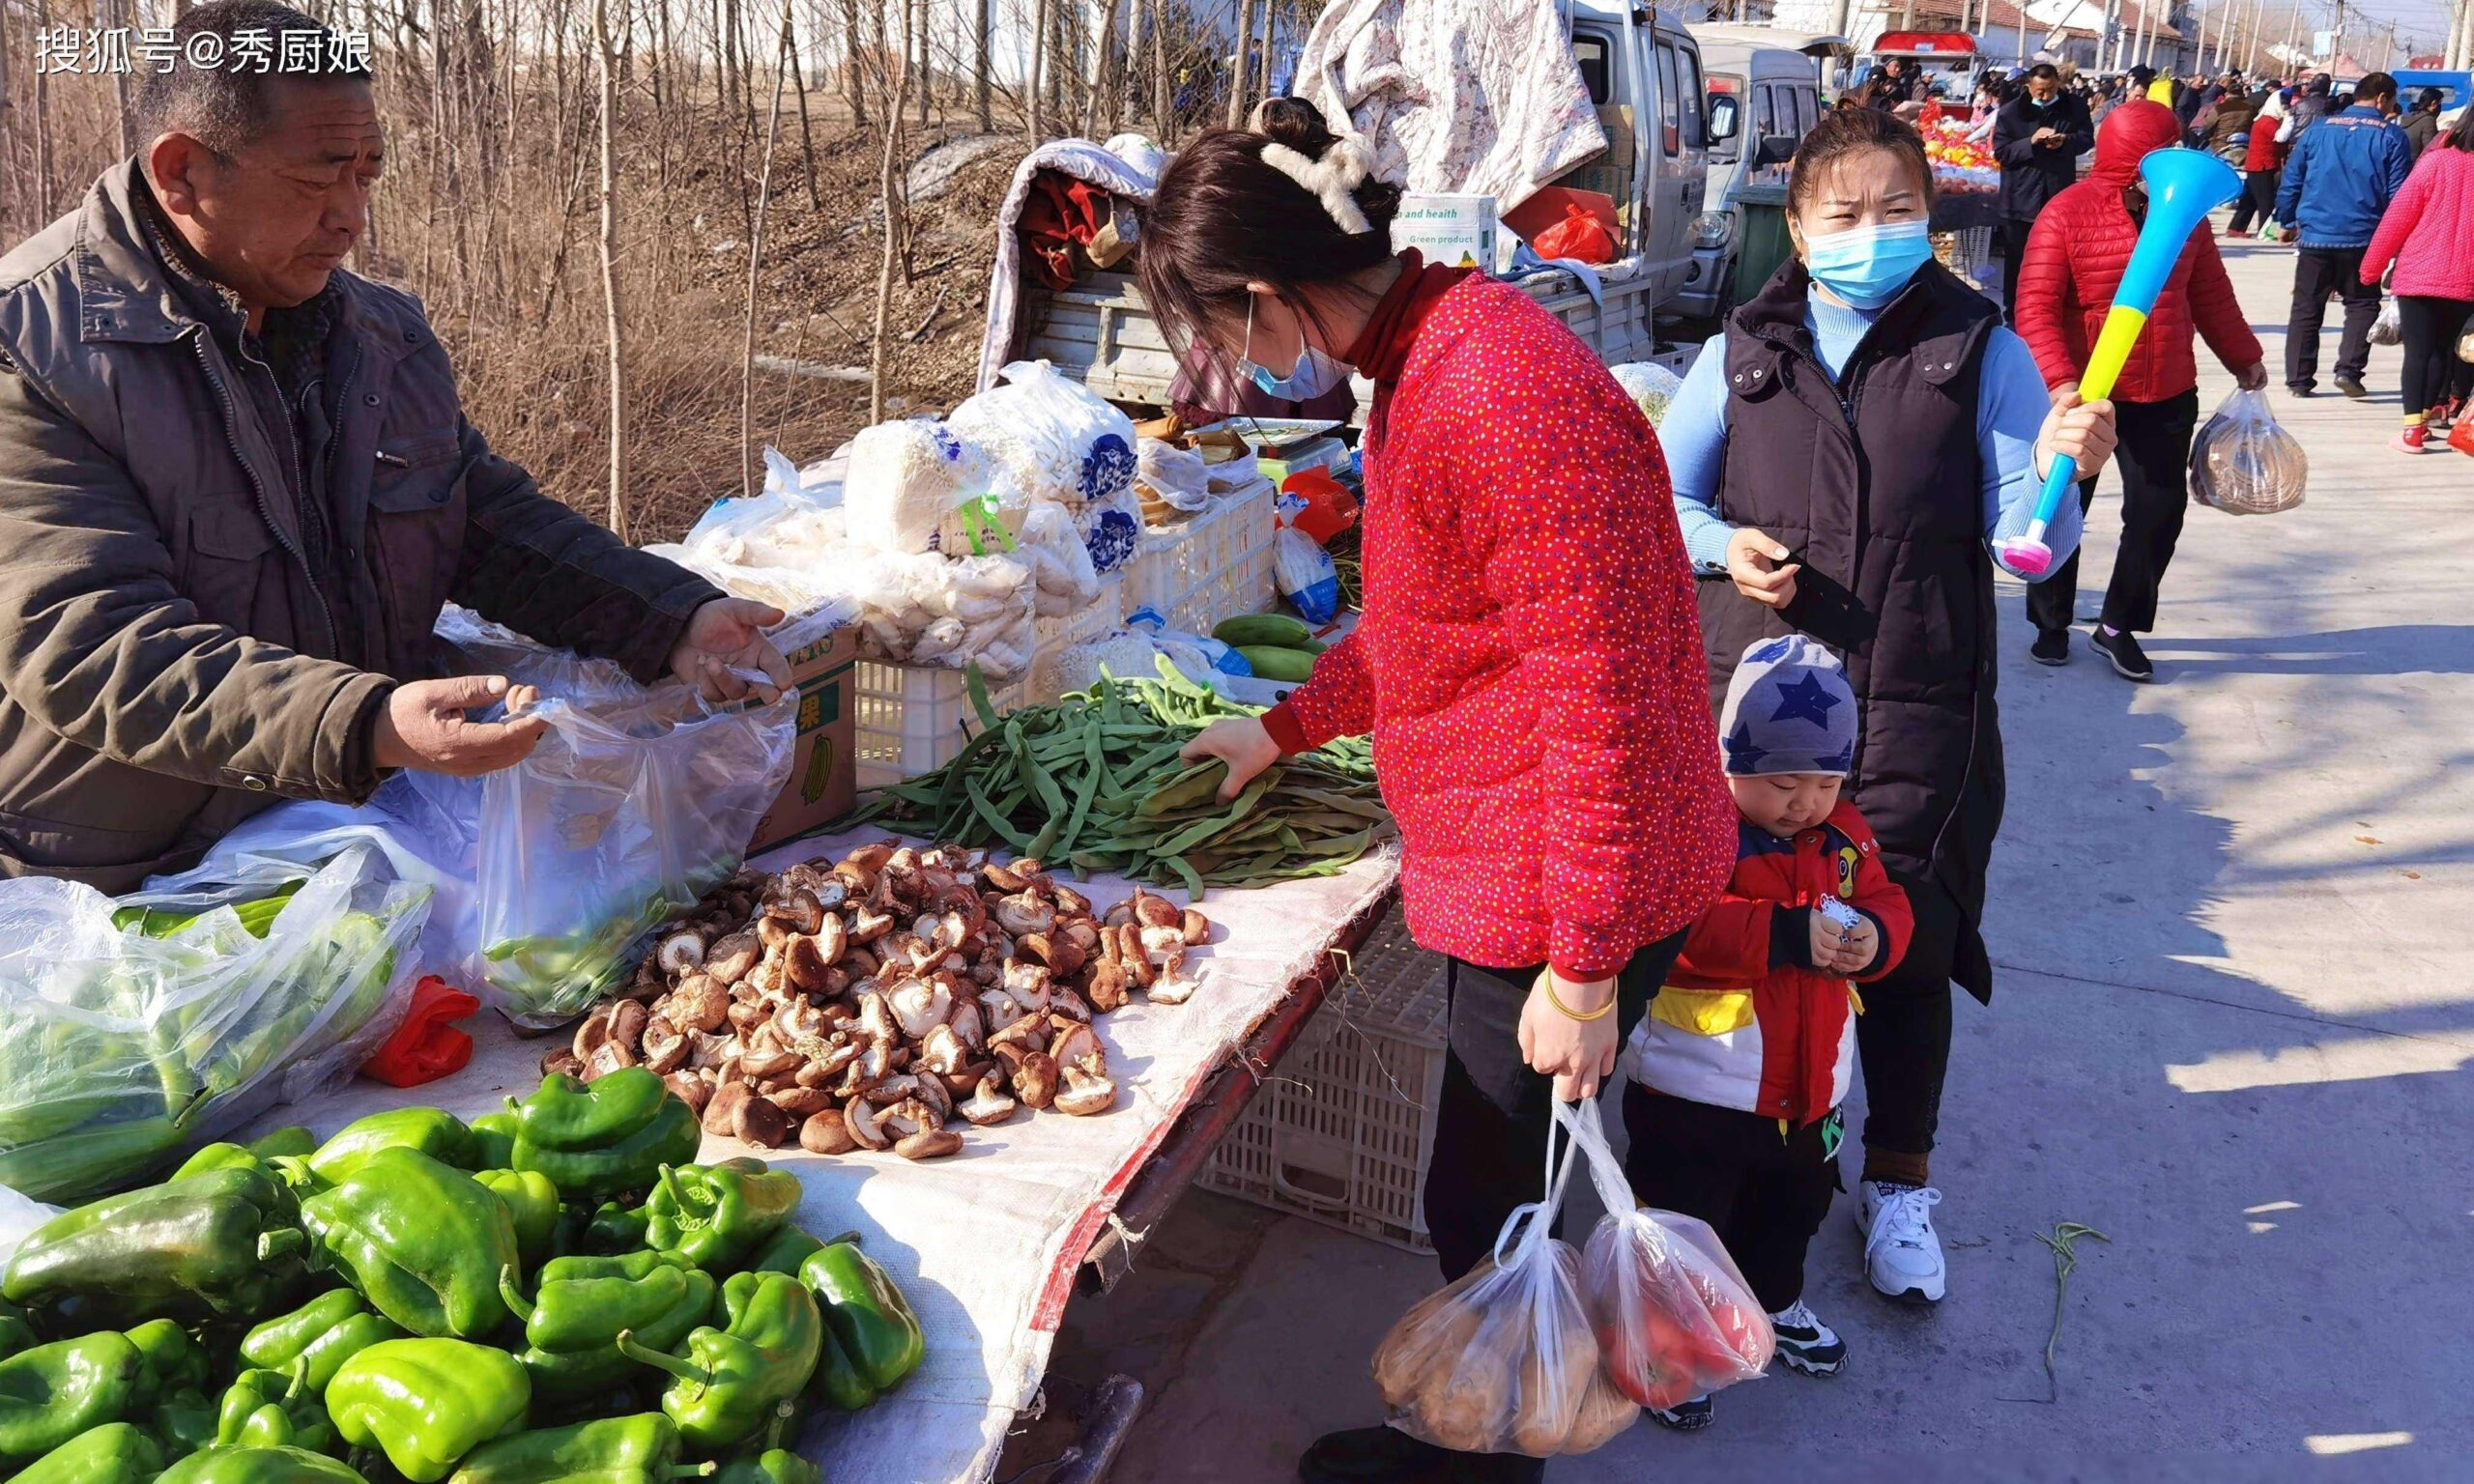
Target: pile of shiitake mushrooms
877,1001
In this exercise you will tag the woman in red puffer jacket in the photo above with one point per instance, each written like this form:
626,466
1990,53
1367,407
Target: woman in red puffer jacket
2075,260
1529,662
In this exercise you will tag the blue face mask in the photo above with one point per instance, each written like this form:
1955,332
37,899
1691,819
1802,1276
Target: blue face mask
1867,266
1315,374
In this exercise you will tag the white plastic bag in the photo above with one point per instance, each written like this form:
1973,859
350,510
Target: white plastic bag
2243,464
1306,575
1674,1316
903,478
1046,437
2390,327
1177,477
1502,1360
131,1029
1060,559
636,802
1111,527
1651,386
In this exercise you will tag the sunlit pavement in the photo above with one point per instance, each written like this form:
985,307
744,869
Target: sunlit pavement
2234,917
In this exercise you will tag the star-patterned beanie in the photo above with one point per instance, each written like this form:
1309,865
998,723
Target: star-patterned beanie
1789,710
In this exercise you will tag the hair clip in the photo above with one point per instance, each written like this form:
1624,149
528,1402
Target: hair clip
1343,167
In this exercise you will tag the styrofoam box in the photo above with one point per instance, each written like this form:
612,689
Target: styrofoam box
1341,1129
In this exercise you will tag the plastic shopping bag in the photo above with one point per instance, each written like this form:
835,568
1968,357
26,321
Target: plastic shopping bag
2243,464
637,802
2390,327
1047,438
1673,1316
1579,237
1651,386
903,478
133,1029
1306,575
1502,1360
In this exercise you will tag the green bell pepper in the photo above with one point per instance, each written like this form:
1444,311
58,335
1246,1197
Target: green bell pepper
610,1451
320,1334
731,1379
292,1142
71,1165
866,1314
434,1131
16,1332
766,1461
569,1113
173,1360
114,1453
51,1393
837,1383
630,1265
211,1157
616,1228
266,1408
183,1422
717,1214
427,1402
532,1203
572,1325
424,1243
219,1247
630,1162
260,1466
494,1140
785,1251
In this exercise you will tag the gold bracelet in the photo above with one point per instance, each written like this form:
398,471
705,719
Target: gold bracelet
1599,1013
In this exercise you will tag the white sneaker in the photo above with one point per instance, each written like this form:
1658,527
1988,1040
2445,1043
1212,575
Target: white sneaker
1805,1344
1901,1255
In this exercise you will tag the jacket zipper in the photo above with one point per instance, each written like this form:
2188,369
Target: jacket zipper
265,507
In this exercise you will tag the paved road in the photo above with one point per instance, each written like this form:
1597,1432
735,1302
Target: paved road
2231,912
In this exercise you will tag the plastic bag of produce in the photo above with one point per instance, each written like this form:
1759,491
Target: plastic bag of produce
1112,529
1502,1360
903,478
134,1028
634,805
1173,477
1651,386
1046,437
1674,1318
2243,464
1306,575
2389,329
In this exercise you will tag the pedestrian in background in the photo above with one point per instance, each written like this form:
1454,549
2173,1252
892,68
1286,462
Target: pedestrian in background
2038,137
2262,164
2075,262
2229,132
2339,177
2428,233
2422,125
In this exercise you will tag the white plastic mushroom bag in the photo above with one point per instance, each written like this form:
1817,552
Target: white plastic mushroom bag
1046,437
2243,464
1674,1318
1502,1360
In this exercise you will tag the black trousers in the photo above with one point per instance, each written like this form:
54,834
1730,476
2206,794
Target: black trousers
2431,327
2155,454
1491,1120
1903,1037
2319,272
1762,1189
2258,202
2014,251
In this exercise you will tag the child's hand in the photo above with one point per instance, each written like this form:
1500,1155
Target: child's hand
1828,942
1863,946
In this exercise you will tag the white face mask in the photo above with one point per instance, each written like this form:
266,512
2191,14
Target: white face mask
1315,374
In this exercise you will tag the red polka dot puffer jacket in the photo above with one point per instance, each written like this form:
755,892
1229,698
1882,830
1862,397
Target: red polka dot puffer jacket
1529,662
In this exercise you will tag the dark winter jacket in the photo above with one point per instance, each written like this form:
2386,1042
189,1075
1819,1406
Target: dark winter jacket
2034,174
1876,482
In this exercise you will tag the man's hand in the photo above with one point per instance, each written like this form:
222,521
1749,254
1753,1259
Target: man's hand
1753,560
1243,742
2082,429
423,727
2045,136
1578,1054
728,635
2253,376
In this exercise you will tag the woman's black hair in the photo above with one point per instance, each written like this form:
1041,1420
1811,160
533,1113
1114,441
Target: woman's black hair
2461,135
1222,218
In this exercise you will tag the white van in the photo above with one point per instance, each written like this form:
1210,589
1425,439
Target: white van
1763,99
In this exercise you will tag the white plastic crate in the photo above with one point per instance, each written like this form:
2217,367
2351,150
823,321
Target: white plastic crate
914,719
1343,1127
1211,566
1103,615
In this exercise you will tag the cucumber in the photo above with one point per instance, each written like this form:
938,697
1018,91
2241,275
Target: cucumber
1275,629
1273,662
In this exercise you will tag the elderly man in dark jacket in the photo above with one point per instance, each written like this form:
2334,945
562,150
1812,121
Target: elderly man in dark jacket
237,485
2038,137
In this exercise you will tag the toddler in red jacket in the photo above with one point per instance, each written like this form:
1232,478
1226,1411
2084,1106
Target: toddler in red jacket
1740,1065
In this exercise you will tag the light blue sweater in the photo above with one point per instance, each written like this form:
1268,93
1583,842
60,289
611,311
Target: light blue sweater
2012,402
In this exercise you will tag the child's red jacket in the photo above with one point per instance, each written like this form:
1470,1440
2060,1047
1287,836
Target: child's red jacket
1743,1022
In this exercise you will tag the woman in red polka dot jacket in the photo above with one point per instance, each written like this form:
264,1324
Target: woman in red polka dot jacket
1529,660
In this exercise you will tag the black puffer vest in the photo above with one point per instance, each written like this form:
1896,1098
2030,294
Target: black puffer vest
1875,484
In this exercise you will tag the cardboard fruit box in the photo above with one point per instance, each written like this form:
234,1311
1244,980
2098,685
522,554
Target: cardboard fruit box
824,781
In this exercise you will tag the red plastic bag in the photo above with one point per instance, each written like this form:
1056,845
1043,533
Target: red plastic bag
425,1047
1325,505
1673,1316
1579,237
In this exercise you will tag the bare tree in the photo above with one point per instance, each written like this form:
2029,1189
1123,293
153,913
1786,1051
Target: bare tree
1237,70
603,52
43,127
807,140
897,84
1095,114
755,259
979,80
1162,107
1034,89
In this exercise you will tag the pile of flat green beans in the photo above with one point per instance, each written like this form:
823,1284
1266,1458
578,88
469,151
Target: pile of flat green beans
1093,784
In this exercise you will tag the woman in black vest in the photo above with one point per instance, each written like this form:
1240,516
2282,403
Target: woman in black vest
1844,457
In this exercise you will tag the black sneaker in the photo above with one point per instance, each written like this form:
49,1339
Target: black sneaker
1806,1344
2352,386
2051,647
2130,662
2305,389
1373,1455
1683,1417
